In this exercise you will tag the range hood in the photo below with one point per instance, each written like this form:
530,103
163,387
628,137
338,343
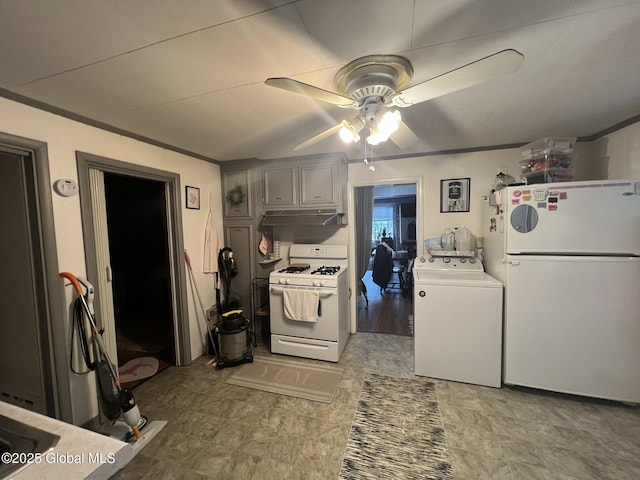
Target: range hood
302,217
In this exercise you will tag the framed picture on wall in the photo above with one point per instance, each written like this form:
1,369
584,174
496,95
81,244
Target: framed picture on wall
193,197
454,195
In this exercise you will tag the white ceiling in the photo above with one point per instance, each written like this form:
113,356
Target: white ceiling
191,74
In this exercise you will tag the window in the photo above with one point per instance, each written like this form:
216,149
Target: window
382,221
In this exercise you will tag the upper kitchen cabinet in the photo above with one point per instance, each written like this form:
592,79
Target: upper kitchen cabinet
237,193
319,182
280,186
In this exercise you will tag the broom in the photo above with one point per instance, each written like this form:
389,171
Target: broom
204,313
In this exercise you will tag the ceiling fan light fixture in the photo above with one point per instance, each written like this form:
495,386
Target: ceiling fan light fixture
383,128
389,122
349,131
346,135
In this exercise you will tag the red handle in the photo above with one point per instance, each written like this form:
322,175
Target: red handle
74,281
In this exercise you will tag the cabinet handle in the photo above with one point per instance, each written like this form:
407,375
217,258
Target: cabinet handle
317,197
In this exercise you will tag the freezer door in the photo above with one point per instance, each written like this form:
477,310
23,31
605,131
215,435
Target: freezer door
578,217
572,325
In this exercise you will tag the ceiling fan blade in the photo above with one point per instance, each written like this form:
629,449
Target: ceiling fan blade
404,137
321,136
500,63
311,91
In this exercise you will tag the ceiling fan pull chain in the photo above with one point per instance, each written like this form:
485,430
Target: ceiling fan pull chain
365,152
372,167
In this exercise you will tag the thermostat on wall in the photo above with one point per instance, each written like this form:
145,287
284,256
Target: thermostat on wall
65,187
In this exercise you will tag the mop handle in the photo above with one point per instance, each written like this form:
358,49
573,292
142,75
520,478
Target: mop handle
193,280
103,350
204,313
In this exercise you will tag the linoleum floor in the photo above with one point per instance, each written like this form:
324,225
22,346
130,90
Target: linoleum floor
220,431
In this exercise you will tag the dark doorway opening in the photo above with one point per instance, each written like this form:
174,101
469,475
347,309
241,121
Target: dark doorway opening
140,264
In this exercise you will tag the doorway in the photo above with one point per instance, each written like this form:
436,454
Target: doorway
22,305
386,304
132,225
32,343
141,283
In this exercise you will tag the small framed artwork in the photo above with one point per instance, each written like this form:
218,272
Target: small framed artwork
454,195
193,197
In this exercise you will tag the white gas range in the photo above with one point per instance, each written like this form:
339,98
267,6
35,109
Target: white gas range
309,303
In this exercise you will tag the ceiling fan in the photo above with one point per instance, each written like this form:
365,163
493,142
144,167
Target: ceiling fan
375,83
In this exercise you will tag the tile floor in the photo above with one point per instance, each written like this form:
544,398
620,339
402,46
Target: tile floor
220,431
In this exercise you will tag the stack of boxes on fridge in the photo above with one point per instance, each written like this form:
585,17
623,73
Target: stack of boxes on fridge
548,160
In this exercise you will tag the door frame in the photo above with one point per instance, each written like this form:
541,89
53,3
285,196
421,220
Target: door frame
86,161
50,290
353,281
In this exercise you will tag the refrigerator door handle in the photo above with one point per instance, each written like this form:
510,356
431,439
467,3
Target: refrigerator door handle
515,263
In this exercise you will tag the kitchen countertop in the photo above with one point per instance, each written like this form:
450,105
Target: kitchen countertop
79,454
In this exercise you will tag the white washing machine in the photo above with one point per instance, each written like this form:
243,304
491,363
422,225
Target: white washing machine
458,321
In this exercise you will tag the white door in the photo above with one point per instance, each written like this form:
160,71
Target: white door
579,217
103,283
572,325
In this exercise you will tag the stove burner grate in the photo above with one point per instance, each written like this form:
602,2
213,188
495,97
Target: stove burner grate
326,270
294,269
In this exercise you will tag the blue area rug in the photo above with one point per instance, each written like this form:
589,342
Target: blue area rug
397,432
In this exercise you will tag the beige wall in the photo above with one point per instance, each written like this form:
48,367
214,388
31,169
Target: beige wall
620,152
481,167
63,138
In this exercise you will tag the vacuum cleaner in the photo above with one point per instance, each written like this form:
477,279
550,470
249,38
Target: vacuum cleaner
115,402
232,329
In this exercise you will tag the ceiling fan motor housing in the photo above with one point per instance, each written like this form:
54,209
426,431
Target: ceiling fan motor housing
374,77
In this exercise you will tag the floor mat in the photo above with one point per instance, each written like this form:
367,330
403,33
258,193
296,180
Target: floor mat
138,369
287,377
396,432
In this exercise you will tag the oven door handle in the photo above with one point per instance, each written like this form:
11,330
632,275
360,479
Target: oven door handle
321,292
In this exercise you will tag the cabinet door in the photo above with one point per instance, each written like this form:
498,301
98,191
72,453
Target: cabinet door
318,185
236,185
280,187
241,239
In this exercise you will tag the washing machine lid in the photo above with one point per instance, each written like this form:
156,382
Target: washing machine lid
468,279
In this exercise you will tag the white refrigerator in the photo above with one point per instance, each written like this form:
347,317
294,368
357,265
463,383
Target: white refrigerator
569,257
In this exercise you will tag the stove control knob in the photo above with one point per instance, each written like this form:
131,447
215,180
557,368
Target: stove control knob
284,281
319,283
